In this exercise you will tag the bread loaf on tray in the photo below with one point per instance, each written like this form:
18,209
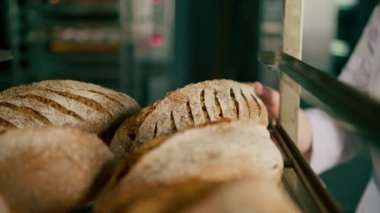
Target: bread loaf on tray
193,105
89,107
247,195
51,169
220,151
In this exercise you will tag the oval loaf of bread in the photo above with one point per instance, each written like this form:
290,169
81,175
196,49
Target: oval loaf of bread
247,195
51,169
88,107
193,105
221,151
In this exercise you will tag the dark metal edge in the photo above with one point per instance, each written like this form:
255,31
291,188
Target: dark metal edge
317,190
341,101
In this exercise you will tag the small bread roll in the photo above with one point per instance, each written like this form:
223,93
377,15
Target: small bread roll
221,151
246,195
51,169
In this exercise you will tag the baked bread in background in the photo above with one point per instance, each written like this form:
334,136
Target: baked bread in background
89,107
217,152
193,105
198,196
51,169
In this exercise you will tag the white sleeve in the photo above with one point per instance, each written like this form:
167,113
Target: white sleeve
327,148
357,72
330,146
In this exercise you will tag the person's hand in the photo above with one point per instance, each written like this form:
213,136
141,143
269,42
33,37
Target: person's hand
271,99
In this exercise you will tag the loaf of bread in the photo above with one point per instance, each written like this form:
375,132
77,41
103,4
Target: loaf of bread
51,169
88,107
192,105
221,151
247,195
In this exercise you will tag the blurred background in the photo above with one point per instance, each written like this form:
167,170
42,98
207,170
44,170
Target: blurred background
148,47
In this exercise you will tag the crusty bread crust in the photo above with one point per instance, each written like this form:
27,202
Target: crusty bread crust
155,198
198,196
246,196
122,142
128,161
125,164
51,169
223,151
200,103
88,107
193,105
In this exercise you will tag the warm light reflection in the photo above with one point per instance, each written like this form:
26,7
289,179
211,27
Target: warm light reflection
54,1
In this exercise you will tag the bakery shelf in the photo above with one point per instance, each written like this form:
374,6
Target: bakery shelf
72,11
62,47
65,39
5,55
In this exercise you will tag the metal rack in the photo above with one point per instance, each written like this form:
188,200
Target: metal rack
61,39
298,179
302,185
323,91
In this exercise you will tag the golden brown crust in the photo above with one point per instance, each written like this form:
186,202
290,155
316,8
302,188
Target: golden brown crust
223,151
201,103
51,169
122,142
88,107
130,160
199,196
156,198
193,105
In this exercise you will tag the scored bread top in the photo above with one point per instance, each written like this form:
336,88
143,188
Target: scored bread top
221,151
87,106
193,105
200,103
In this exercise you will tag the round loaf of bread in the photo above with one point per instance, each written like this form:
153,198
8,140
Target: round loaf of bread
51,169
221,151
192,105
89,107
197,196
